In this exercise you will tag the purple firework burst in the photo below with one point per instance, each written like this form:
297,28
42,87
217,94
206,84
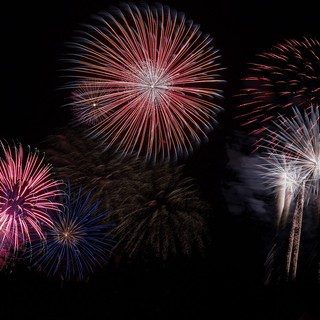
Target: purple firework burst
146,81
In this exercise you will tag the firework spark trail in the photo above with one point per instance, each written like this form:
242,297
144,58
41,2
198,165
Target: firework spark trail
159,77
28,193
295,235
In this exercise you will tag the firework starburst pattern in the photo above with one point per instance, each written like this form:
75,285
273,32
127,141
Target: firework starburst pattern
28,196
166,218
79,242
286,76
147,81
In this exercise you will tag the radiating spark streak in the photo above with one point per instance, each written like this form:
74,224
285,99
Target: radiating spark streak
295,236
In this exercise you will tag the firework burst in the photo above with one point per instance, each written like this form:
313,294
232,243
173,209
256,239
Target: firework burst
296,142
28,195
298,138
145,81
79,242
161,215
284,77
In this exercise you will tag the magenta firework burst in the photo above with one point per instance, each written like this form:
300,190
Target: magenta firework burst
286,76
28,194
145,80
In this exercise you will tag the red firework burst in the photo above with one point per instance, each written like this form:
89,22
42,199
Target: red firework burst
287,76
146,81
27,196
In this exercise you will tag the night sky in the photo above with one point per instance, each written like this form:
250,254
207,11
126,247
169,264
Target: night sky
229,282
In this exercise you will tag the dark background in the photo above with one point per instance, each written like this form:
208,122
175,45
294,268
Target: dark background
229,283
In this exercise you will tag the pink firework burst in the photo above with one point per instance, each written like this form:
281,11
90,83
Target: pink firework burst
27,197
286,76
146,81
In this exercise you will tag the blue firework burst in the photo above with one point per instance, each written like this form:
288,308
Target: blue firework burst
79,242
